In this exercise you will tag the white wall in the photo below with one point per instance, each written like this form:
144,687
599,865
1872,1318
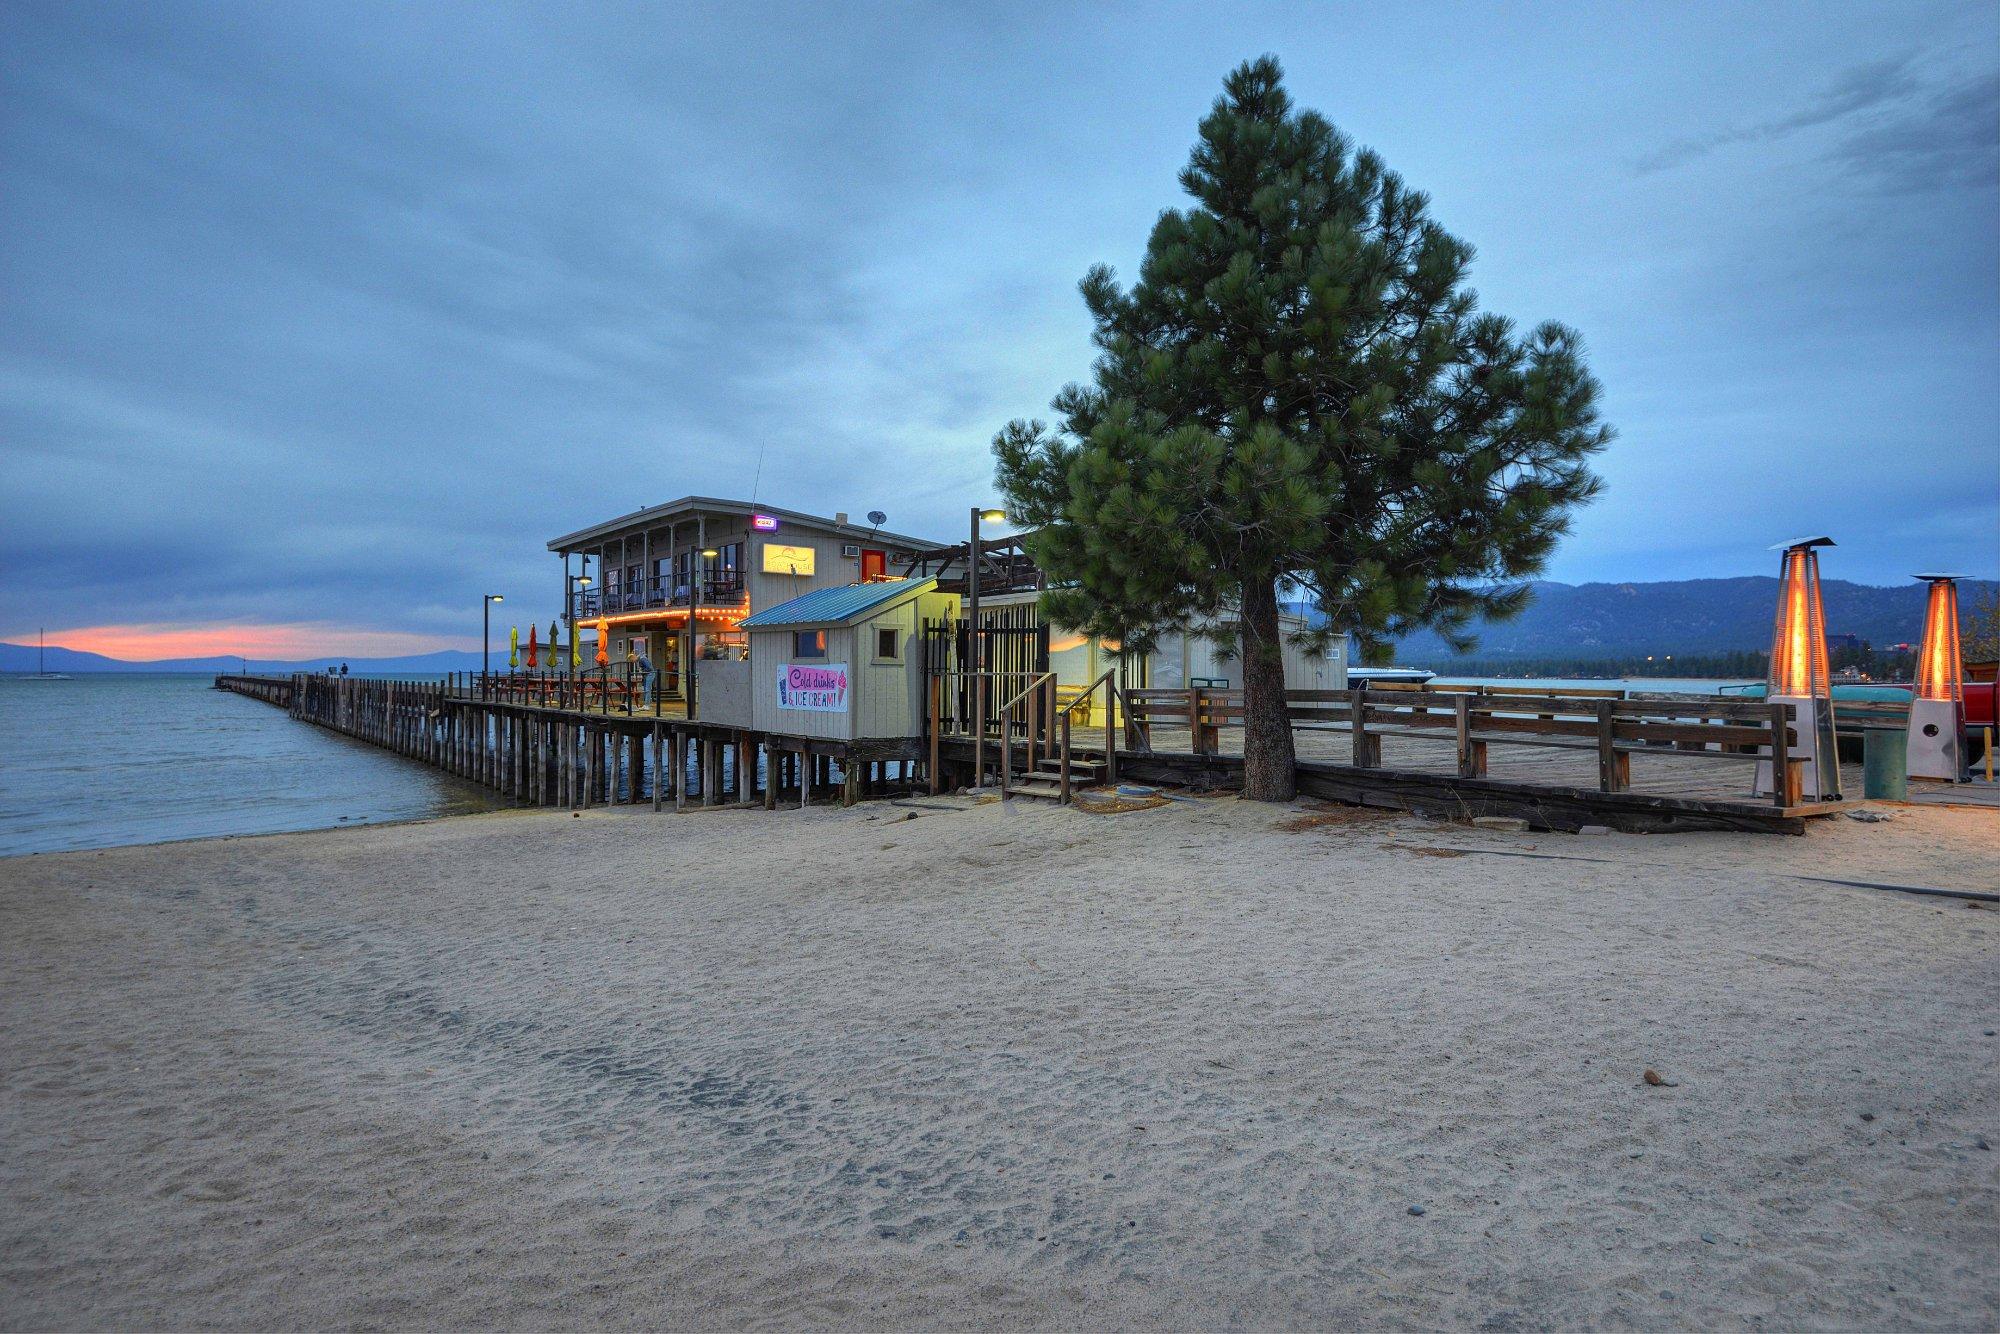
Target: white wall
723,693
1180,659
771,652
885,699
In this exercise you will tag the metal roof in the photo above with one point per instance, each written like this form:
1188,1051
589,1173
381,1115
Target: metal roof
610,528
835,606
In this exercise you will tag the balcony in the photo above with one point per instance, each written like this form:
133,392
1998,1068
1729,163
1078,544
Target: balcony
721,592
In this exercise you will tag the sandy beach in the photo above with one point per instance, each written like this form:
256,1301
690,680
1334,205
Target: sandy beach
958,1064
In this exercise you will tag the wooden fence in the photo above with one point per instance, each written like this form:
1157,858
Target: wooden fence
1614,729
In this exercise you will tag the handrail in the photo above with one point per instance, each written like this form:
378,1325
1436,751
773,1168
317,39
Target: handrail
1068,714
1043,684
1032,686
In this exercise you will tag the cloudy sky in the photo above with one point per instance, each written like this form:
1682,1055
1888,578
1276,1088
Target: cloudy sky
317,321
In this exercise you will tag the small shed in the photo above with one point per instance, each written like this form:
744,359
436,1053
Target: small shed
844,664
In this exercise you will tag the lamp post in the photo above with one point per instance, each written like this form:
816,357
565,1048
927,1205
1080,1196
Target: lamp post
485,638
975,651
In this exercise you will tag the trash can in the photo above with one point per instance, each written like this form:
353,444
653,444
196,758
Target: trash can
1885,763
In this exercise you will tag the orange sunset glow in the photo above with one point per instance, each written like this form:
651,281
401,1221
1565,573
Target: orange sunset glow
307,639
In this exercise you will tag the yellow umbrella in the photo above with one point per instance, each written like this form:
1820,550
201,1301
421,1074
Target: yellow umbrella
575,649
603,639
514,647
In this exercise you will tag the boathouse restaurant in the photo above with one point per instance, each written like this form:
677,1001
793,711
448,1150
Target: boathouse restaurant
677,581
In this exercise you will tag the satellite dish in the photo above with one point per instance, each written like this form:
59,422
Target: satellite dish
877,517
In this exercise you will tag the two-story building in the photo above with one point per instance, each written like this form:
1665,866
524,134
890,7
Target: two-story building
677,580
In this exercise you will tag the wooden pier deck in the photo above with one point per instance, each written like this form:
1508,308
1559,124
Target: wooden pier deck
1559,763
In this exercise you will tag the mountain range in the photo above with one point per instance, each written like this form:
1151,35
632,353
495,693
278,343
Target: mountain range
22,658
1684,616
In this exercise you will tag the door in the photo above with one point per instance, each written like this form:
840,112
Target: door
666,654
874,566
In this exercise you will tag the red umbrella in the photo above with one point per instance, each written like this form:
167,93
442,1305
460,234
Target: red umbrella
531,647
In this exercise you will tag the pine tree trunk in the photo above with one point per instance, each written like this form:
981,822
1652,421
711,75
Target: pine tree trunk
1269,763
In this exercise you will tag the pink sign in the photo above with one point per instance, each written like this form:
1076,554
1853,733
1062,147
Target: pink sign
813,688
764,523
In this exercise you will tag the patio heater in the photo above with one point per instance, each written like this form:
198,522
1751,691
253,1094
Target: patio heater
1799,679
1937,707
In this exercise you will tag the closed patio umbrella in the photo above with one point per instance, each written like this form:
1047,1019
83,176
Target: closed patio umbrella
603,641
531,647
514,647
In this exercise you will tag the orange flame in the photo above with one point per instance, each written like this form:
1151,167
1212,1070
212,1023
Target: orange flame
1798,640
1940,673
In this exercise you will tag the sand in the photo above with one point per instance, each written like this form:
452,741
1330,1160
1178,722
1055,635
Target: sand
1003,1065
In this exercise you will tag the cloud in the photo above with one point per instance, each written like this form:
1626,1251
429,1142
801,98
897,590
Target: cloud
150,643
1950,140
1858,90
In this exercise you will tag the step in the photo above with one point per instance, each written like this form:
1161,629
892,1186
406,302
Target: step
1031,788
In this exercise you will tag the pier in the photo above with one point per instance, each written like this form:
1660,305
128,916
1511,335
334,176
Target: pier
1559,762
576,749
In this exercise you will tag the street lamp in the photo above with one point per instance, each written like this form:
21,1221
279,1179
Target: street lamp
975,645
485,637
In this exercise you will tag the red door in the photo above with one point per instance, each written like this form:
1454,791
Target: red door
874,565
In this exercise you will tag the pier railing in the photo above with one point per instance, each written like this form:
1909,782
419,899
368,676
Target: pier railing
615,689
1031,714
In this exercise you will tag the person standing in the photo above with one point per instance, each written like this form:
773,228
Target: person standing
647,676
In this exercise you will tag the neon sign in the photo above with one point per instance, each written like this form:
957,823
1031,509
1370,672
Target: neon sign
764,523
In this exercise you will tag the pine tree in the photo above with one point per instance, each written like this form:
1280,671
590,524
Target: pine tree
1299,396
1979,628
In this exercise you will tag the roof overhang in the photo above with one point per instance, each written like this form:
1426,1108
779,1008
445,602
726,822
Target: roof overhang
828,607
743,509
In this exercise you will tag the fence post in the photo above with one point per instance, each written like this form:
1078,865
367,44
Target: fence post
1065,757
1111,735
1614,773
1787,778
1366,755
936,697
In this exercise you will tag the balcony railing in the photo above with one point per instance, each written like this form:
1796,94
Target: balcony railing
725,591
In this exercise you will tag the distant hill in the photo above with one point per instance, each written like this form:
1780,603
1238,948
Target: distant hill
1686,616
21,658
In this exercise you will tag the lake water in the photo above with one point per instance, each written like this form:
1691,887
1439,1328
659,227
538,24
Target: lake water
1658,685
107,759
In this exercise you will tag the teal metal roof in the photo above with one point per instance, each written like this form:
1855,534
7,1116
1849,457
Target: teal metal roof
834,606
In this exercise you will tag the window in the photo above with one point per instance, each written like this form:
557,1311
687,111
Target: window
809,643
888,645
782,559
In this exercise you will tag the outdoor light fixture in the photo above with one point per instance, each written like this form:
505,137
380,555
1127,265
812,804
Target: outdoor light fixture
1799,677
1937,709
486,635
583,579
993,516
710,553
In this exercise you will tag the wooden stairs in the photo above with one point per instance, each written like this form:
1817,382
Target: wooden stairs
1044,781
